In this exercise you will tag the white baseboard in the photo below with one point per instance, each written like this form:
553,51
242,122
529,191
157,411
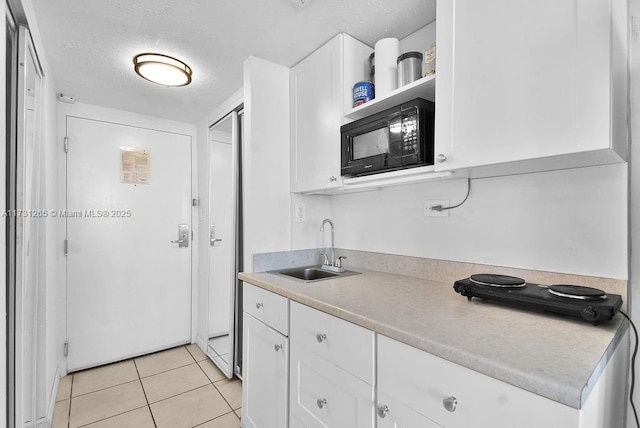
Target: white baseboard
43,423
202,344
47,421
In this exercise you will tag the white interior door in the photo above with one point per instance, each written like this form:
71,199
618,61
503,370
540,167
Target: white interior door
128,284
222,238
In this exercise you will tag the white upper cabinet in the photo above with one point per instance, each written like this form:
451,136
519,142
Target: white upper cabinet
319,96
524,81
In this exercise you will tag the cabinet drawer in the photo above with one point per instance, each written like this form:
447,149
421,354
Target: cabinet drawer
324,395
422,382
345,344
266,306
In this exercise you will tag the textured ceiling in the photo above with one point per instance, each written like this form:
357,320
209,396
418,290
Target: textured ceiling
90,44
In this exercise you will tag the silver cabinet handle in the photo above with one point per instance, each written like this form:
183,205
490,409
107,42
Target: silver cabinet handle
321,402
383,410
259,305
450,403
333,179
321,337
278,347
441,158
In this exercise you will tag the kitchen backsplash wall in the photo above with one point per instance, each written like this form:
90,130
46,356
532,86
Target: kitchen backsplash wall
571,221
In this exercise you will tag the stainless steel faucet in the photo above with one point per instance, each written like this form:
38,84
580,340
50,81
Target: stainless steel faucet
332,254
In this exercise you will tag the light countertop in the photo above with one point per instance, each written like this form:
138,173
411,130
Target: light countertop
556,357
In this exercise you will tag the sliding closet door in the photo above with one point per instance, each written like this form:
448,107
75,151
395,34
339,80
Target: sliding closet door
29,237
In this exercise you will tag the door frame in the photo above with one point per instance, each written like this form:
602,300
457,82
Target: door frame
234,103
234,115
125,118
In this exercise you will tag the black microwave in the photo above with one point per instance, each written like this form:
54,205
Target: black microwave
396,138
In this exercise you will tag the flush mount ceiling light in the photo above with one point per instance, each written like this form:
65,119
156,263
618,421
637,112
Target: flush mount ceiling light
162,69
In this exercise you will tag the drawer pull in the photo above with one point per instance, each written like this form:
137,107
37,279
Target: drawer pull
321,402
278,347
450,403
321,337
383,410
259,305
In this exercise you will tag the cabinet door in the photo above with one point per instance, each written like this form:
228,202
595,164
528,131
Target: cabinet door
324,395
265,385
316,116
520,80
394,414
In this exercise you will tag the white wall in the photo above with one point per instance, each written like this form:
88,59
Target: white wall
266,197
571,221
54,275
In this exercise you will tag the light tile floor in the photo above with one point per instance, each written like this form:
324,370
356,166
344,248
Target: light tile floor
176,388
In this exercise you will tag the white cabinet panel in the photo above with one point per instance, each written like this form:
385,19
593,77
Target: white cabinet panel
319,87
323,395
422,382
345,344
265,386
521,80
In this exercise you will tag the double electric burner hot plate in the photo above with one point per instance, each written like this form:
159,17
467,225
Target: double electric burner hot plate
589,304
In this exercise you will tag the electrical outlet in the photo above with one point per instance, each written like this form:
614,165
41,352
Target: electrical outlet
430,212
300,212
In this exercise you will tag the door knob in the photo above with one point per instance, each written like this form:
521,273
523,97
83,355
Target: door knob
212,236
183,236
441,158
450,403
383,410
321,337
321,402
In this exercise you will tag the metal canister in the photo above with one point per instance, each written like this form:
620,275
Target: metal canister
372,67
363,92
409,68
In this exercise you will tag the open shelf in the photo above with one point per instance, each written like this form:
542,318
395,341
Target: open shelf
424,87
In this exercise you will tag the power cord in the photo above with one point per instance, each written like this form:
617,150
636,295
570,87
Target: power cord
441,208
633,367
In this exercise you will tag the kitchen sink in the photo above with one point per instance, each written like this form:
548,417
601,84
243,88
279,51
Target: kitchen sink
312,273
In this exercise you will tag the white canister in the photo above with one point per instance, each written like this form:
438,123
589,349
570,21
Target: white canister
386,54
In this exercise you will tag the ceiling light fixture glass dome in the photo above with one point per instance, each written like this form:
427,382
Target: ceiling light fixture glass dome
162,69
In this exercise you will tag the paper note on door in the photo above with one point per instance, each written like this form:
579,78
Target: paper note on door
134,166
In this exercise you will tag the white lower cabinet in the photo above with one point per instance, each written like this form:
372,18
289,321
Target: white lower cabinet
265,364
332,371
324,395
416,388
